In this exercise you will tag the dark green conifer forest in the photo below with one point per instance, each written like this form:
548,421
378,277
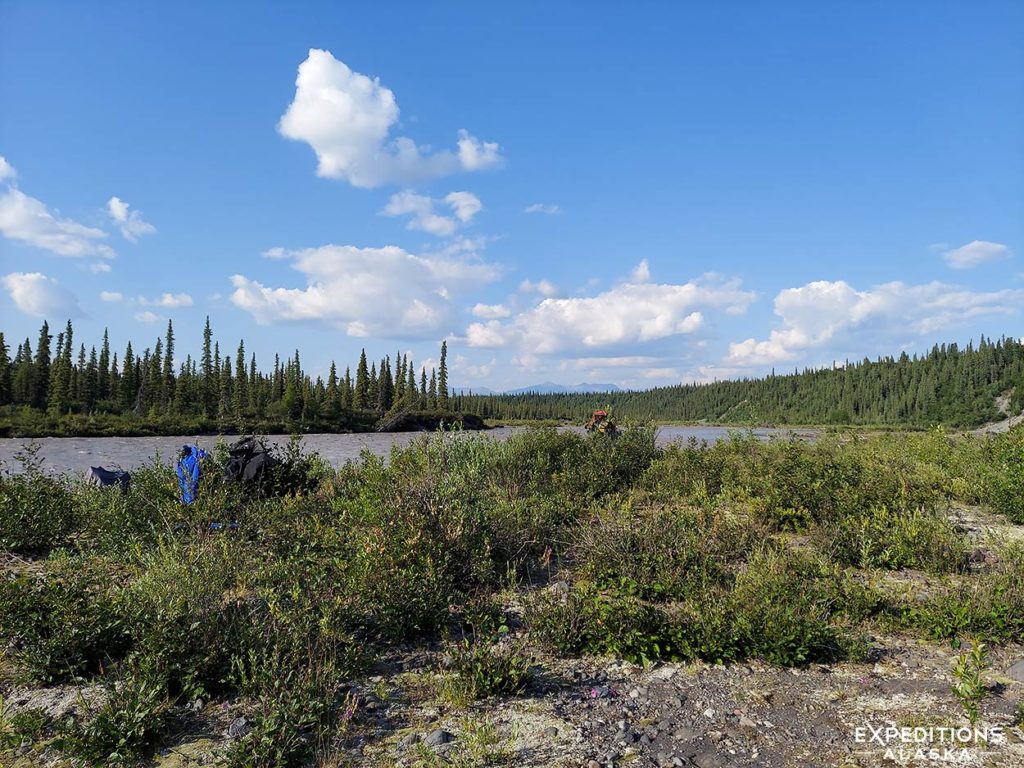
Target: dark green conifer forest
949,385
57,385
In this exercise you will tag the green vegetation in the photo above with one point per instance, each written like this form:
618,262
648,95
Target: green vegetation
154,393
948,385
789,551
969,681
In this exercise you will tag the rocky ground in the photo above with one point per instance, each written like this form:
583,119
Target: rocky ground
602,712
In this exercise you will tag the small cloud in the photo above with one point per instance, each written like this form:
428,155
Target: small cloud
37,295
147,317
98,267
6,169
130,222
111,296
491,311
276,252
420,209
975,253
642,273
543,287
550,210
168,301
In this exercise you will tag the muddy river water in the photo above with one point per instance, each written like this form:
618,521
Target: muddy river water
76,454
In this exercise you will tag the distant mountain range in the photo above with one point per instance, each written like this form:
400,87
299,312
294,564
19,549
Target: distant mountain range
545,388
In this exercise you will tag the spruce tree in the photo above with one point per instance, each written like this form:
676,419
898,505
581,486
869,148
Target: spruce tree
103,372
5,372
361,395
442,378
209,392
41,368
167,371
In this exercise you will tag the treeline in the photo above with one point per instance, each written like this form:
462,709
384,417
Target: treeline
56,380
949,385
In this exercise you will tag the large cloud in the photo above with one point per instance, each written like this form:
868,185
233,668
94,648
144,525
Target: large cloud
815,316
629,314
27,219
37,295
367,291
347,118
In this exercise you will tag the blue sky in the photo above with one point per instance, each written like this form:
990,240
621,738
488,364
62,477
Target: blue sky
638,194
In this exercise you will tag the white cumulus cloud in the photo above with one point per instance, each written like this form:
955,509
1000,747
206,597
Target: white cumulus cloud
824,315
367,291
347,117
111,296
37,295
420,209
975,253
147,316
98,267
491,311
631,313
130,222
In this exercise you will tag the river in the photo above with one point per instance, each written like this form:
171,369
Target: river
77,454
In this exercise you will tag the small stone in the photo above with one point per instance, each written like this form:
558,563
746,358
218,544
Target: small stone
551,732
593,764
707,760
438,737
664,760
621,725
1016,672
645,739
239,728
664,673
635,693
746,722
709,713
684,734
409,740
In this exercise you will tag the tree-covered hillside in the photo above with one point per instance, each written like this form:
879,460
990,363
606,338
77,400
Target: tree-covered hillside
948,385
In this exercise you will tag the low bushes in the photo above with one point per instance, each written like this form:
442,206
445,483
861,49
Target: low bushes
743,549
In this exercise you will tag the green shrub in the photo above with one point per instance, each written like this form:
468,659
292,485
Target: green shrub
294,705
63,620
659,553
585,620
988,605
783,604
1006,481
181,613
37,512
486,665
135,713
880,537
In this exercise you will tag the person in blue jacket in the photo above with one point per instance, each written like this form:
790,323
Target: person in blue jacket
188,472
